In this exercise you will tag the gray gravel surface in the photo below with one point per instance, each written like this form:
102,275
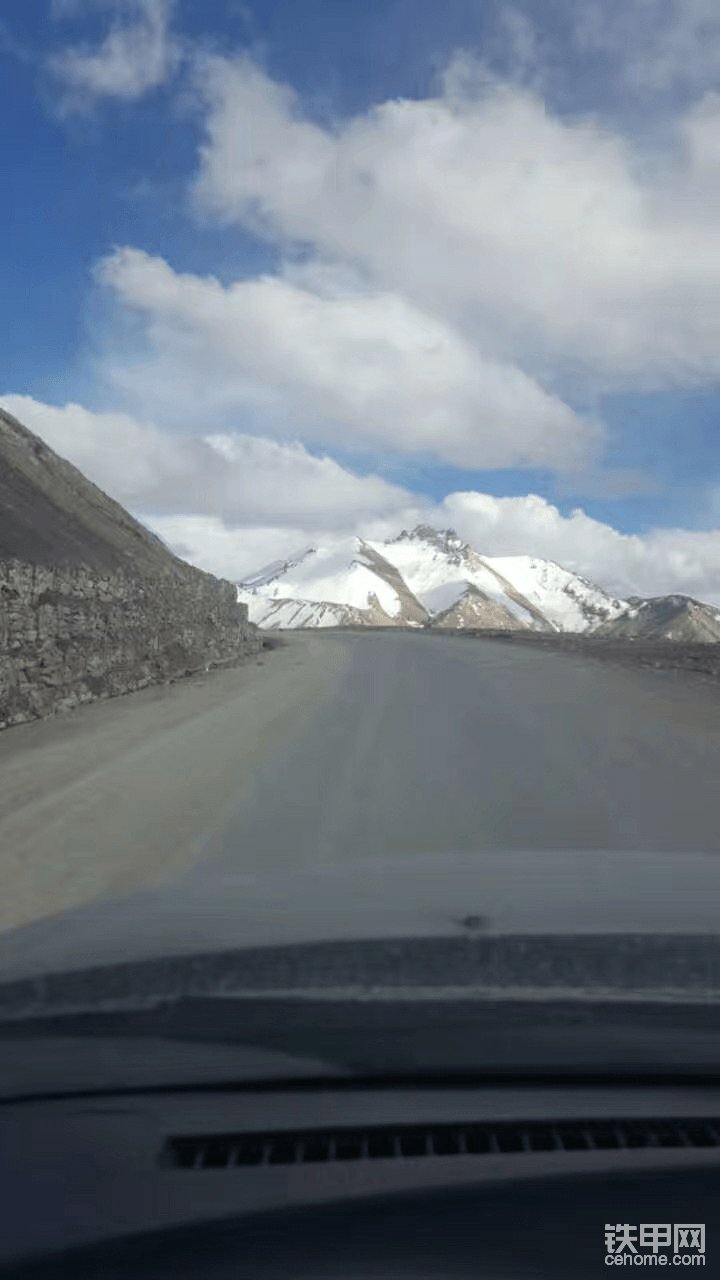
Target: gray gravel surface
694,659
356,745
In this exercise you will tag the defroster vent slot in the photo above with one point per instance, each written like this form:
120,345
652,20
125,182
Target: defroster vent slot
399,1142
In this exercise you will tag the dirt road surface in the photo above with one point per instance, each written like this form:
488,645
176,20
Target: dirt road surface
343,746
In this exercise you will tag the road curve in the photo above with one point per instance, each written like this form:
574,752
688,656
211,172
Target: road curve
354,746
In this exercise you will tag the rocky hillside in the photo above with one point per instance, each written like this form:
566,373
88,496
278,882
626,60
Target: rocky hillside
91,602
665,618
51,514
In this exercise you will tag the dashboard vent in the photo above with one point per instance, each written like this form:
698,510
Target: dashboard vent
228,1151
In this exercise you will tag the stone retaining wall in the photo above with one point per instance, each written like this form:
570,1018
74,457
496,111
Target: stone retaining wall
73,635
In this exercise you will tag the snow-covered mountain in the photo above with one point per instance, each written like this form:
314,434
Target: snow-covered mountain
424,578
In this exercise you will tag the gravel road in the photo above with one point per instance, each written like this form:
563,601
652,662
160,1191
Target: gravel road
337,746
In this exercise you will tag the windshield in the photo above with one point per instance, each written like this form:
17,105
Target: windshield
359,539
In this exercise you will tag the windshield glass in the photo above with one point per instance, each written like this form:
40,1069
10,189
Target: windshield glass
359,539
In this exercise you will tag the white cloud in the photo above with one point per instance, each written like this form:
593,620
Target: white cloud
363,366
232,504
469,254
236,479
663,562
657,563
688,50
137,55
474,261
553,242
658,47
236,553
520,47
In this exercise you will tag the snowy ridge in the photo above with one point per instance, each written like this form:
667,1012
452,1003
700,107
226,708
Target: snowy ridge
425,578
567,599
274,570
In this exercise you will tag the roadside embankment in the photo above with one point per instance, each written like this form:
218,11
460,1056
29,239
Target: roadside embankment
70,635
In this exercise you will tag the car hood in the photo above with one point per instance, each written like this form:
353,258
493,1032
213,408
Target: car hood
540,892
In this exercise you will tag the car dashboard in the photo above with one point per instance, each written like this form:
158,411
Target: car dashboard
342,1179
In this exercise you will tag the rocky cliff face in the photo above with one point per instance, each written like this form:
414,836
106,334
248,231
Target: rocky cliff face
92,605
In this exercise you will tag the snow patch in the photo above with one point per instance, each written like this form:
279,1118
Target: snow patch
565,598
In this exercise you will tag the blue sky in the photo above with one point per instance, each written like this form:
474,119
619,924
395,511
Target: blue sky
509,287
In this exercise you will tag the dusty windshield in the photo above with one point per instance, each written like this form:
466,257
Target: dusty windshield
360,525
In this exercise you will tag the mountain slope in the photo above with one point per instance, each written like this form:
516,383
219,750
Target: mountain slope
347,584
92,604
439,567
424,578
51,514
567,599
475,609
673,617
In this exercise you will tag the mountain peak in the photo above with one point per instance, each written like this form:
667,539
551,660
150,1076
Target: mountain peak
424,577
431,578
441,538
